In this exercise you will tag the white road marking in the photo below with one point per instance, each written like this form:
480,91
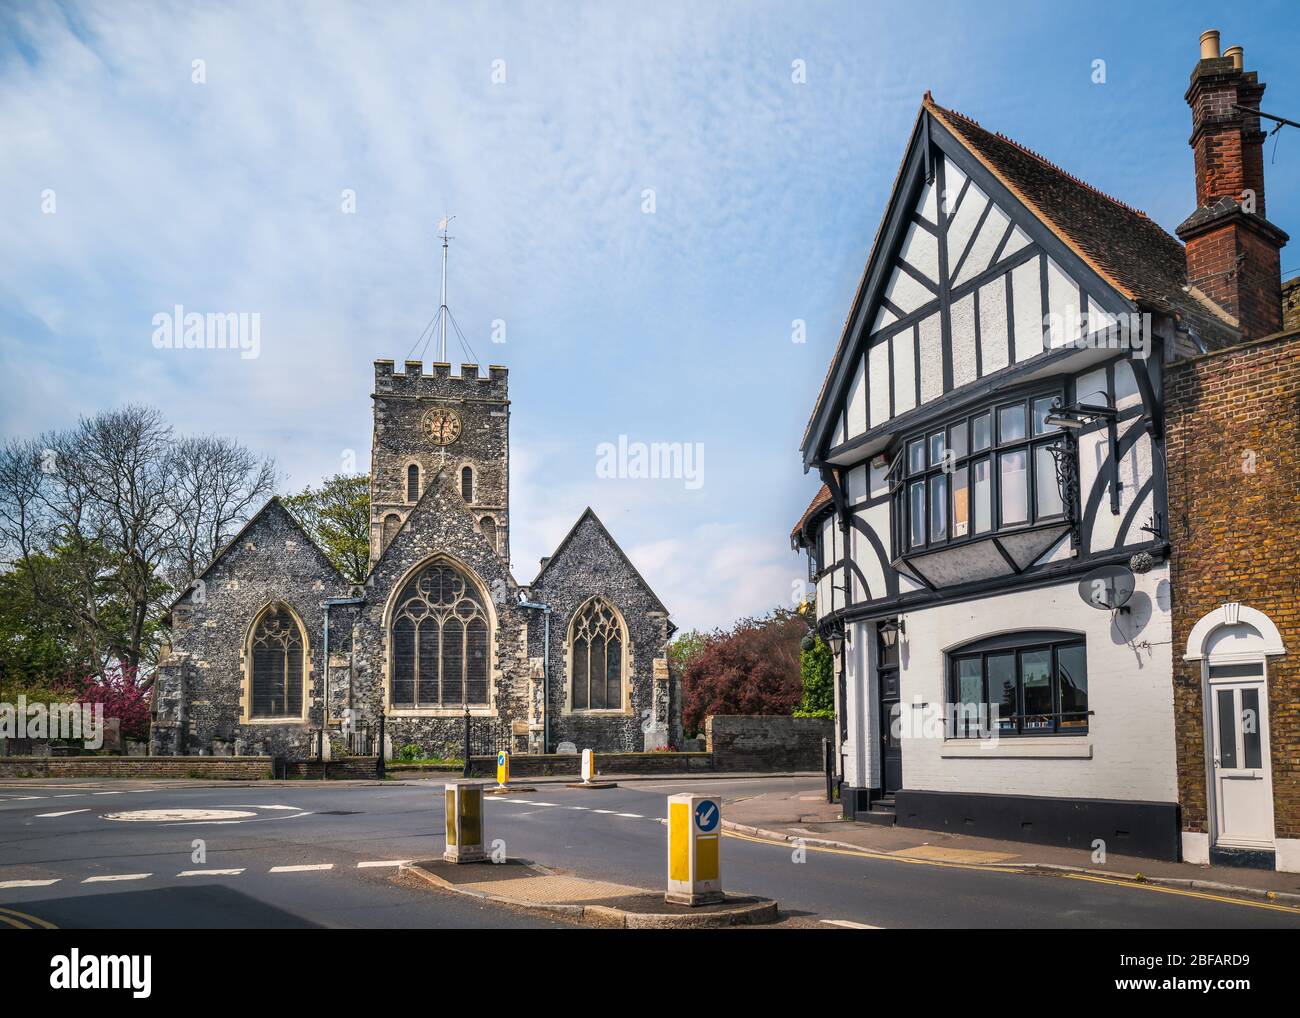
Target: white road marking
67,795
164,815
585,808
545,803
116,876
382,862
634,816
850,925
28,883
65,813
105,793
302,869
210,873
609,811
28,798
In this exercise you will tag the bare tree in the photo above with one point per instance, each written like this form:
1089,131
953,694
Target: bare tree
108,520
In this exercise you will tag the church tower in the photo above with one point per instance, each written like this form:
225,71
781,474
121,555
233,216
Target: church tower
425,424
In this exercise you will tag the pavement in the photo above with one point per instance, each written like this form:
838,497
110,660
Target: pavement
123,854
803,814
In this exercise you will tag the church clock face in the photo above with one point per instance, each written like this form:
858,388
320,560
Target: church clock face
442,426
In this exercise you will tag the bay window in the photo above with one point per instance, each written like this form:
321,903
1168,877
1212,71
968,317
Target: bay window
989,470
1032,683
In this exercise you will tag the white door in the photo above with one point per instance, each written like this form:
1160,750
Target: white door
1243,787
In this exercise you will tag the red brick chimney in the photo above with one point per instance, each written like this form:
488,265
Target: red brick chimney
1233,252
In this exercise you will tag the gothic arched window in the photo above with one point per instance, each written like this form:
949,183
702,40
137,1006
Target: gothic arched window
467,483
596,643
439,641
413,483
489,526
277,661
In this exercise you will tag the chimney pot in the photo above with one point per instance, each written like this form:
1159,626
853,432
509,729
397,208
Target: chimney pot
1210,44
1237,55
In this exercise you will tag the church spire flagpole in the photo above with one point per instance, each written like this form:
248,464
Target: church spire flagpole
442,310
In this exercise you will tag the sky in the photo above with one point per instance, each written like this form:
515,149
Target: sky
647,198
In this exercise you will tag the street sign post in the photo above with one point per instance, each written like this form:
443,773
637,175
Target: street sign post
503,769
694,849
588,766
464,807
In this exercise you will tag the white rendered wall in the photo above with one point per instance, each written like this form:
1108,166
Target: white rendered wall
1128,752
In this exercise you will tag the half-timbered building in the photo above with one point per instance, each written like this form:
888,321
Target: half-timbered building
990,545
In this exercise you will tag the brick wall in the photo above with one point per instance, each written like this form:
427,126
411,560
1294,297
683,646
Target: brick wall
248,768
766,742
1233,421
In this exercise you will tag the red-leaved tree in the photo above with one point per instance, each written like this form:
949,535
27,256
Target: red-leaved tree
124,697
751,669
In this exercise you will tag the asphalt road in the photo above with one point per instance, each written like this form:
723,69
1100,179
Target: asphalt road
308,855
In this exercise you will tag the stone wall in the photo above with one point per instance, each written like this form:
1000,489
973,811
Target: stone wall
242,768
766,742
559,764
1233,420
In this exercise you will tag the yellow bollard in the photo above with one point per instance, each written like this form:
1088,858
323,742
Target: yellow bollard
503,769
464,805
694,849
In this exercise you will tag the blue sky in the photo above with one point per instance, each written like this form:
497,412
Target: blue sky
671,326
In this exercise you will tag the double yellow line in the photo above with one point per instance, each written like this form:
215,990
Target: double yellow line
1113,881
23,921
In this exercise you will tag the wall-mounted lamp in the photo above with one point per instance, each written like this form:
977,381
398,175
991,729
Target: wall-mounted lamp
889,631
1076,415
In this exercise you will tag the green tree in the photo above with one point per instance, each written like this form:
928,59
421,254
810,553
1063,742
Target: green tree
685,646
817,673
337,516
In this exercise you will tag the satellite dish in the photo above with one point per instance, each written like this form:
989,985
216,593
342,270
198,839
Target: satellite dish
1107,587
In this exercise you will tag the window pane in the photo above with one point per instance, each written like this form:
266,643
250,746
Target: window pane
1002,690
939,507
614,672
1014,490
467,484
957,440
412,483
598,673
983,496
453,662
1227,730
968,697
1047,493
404,661
1011,423
960,503
981,429
916,456
1036,688
937,446
476,662
580,700
426,691
1072,672
917,513
1043,407
1250,727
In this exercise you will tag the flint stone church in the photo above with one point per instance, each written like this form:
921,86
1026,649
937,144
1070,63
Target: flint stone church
273,646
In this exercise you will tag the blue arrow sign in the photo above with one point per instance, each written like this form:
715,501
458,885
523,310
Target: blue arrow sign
707,815
501,759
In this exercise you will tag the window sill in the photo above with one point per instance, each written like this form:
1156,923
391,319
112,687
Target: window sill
439,712
1034,747
606,712
274,721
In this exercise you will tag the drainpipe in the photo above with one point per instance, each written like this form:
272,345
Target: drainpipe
326,605
545,609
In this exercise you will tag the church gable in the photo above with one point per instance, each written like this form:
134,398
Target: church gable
589,561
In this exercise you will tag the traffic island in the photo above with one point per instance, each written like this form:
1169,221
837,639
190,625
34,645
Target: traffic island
601,903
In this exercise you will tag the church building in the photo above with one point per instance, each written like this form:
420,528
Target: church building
274,653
